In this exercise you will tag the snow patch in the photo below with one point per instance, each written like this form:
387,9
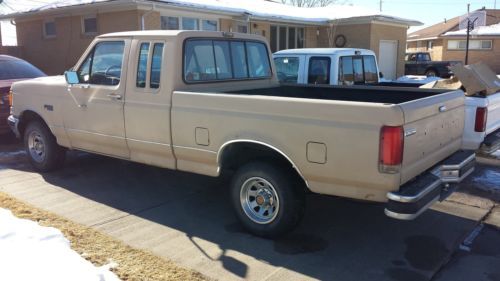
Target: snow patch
493,29
253,8
417,79
29,251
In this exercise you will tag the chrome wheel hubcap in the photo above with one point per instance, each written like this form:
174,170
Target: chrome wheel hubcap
259,200
36,146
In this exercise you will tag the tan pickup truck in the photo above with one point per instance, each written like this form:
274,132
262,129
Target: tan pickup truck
206,102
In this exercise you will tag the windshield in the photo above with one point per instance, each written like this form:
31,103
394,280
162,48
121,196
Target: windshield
18,69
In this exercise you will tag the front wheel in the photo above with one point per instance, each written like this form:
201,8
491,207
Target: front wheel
41,147
268,199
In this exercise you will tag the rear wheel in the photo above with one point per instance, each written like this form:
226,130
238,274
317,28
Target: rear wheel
41,147
431,73
267,199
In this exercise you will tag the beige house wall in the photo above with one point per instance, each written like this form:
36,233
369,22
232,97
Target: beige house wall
390,32
357,35
55,55
436,52
489,57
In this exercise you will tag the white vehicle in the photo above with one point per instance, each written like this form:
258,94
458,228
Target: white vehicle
482,123
328,66
344,66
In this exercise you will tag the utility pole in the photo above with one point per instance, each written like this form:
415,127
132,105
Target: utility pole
380,4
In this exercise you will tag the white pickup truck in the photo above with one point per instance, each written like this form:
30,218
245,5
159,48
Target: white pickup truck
343,66
205,102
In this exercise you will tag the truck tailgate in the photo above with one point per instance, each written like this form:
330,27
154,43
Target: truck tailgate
432,131
493,119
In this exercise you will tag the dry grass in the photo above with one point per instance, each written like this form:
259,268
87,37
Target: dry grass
100,249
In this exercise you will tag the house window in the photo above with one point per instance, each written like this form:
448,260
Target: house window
287,37
242,28
49,29
429,45
190,24
186,23
473,44
89,24
209,25
169,23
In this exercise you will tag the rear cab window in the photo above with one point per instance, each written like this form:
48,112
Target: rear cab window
207,60
361,69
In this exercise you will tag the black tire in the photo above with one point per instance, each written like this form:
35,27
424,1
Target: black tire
53,154
288,188
431,73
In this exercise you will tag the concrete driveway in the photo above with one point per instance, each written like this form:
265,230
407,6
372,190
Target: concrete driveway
187,218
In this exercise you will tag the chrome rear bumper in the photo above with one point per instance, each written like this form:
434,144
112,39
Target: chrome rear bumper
414,197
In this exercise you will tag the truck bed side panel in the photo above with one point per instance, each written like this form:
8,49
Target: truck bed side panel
348,131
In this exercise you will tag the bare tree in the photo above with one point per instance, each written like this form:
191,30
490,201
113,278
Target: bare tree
311,3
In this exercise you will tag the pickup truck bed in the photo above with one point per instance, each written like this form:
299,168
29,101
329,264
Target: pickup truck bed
389,95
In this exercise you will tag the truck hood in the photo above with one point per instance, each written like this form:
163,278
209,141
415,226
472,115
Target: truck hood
40,81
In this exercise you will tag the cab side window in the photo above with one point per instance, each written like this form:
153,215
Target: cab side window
319,70
156,59
103,66
142,66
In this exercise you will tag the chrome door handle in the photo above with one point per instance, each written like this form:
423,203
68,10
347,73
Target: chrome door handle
115,96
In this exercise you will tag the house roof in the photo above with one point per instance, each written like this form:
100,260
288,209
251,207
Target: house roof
489,30
448,27
434,31
256,9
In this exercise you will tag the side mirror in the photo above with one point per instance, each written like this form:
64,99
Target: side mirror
380,74
71,77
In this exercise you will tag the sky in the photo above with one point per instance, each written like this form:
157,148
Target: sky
429,12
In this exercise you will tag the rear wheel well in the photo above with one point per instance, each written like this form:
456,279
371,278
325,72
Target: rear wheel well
25,118
238,154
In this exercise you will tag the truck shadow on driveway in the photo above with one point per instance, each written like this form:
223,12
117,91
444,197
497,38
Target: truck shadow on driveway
338,239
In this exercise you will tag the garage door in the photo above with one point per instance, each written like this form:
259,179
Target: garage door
388,57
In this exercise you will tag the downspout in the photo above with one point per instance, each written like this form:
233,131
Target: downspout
143,27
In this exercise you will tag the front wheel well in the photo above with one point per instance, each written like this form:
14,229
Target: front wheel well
237,154
25,118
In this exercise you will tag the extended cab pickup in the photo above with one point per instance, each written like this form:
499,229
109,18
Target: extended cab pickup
206,102
420,63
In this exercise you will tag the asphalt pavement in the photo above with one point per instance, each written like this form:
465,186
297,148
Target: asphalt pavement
187,218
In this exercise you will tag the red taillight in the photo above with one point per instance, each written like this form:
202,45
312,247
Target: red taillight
481,116
391,149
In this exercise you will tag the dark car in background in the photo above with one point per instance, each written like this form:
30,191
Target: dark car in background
420,63
12,69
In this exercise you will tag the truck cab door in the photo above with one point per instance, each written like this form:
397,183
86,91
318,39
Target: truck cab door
411,64
93,110
148,103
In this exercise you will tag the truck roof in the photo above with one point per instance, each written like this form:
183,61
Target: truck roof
324,51
181,33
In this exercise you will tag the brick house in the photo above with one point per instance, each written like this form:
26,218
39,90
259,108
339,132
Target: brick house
53,37
445,41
